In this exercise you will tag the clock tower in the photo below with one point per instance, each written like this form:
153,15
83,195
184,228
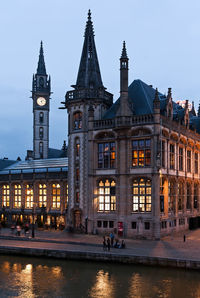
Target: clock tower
41,90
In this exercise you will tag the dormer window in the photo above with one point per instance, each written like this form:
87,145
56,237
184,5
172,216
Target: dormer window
77,120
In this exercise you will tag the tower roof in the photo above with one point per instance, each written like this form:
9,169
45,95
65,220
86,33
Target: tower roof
41,69
124,52
89,75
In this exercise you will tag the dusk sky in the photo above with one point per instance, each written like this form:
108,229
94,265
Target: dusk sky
163,45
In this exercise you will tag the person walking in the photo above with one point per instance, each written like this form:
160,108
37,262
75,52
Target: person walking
112,237
108,243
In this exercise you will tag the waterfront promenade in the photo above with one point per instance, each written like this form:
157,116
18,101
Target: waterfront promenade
169,251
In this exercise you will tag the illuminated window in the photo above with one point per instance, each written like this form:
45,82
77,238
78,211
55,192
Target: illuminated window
41,117
195,196
41,133
180,195
142,195
188,197
29,196
172,196
106,195
189,161
106,155
196,163
6,196
180,159
17,196
42,195
67,196
56,196
172,156
77,120
141,153
77,148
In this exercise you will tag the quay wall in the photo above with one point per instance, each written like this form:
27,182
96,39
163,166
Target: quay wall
101,256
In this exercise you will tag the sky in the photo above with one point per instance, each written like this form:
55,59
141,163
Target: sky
163,45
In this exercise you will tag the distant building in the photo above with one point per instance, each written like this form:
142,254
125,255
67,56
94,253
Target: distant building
132,166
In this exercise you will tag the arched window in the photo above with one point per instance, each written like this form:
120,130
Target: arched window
41,149
106,195
180,195
17,196
42,195
56,196
41,117
29,196
6,196
41,132
77,118
142,195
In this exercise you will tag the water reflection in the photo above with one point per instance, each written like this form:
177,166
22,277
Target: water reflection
26,277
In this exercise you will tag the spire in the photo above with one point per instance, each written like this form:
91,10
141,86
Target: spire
41,69
89,75
124,53
193,112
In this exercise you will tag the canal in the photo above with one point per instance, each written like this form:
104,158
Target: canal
35,277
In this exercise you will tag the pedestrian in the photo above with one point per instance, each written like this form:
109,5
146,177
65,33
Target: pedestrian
104,243
108,243
18,230
112,237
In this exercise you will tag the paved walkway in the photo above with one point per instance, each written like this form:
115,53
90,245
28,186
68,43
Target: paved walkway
169,247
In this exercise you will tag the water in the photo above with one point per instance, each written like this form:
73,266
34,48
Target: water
32,277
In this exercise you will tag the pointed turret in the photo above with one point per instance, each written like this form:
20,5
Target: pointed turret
89,75
198,114
193,112
41,69
124,108
156,102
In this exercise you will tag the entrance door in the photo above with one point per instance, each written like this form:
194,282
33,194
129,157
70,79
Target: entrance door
77,219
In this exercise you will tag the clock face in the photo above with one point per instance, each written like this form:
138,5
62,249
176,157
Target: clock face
41,101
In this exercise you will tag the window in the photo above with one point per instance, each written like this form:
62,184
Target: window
180,159
41,117
147,225
67,197
171,196
41,133
163,154
111,224
29,196
180,195
196,164
42,195
56,196
106,155
172,156
189,161
6,196
195,196
77,148
17,196
99,224
77,120
77,197
141,153
106,195
77,174
133,225
189,196
142,195
41,149
105,223
41,82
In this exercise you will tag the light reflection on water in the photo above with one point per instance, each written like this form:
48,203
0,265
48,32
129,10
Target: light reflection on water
34,278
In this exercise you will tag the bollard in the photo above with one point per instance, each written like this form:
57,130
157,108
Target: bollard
184,238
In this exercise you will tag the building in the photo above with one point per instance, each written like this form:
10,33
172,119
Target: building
132,166
36,190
